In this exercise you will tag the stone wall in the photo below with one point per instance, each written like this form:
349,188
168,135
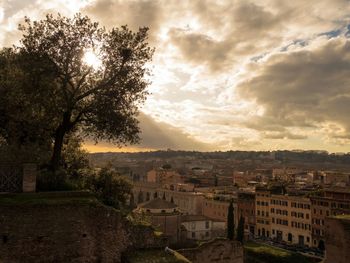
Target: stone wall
72,231
337,240
15,178
217,250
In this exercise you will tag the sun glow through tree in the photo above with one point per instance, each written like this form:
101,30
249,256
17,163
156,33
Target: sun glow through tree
91,59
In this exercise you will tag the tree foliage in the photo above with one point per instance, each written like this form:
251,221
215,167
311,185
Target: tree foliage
230,222
26,119
47,79
111,188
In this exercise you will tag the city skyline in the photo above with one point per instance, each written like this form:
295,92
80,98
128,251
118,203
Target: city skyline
230,75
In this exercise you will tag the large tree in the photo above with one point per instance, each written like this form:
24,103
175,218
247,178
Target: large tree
99,100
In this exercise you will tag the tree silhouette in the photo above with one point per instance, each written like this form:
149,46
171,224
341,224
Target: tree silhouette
102,102
230,222
240,230
140,198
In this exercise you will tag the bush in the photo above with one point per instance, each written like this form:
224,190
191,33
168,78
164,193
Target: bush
111,188
48,180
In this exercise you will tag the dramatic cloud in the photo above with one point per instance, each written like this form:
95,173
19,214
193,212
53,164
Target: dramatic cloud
262,74
304,88
158,135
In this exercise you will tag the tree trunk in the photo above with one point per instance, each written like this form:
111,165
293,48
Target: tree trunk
57,149
59,137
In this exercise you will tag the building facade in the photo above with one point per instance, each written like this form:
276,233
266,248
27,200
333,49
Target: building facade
163,215
198,227
332,202
246,209
188,202
217,210
262,213
291,219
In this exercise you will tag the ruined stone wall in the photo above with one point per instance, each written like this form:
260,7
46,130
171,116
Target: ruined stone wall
218,251
337,240
68,232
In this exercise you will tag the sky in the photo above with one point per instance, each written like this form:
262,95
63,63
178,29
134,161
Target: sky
229,74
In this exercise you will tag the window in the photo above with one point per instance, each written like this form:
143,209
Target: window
206,234
193,235
206,224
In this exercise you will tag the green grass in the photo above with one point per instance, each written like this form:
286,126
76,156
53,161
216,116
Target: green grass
155,256
342,216
261,253
49,198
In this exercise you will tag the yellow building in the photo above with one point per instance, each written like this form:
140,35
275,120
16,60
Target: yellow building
262,212
291,219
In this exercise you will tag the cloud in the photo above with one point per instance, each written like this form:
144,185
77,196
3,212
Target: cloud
303,88
158,135
14,12
135,14
257,74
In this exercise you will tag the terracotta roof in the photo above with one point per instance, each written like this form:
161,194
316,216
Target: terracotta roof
192,218
158,203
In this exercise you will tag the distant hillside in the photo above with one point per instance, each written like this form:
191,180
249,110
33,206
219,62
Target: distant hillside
321,159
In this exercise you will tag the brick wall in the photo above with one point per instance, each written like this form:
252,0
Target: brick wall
68,232
218,251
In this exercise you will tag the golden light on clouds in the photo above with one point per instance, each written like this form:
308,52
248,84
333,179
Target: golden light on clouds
249,75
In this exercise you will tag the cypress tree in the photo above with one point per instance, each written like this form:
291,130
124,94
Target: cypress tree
164,196
240,230
230,222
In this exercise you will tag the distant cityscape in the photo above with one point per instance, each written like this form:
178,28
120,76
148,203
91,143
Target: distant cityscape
295,200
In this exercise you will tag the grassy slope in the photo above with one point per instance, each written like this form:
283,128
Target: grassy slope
260,253
53,198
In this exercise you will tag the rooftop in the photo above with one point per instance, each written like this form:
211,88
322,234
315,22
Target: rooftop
192,218
158,203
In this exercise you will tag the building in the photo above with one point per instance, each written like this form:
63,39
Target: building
199,227
246,209
164,176
332,202
262,212
218,209
163,215
188,202
291,219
